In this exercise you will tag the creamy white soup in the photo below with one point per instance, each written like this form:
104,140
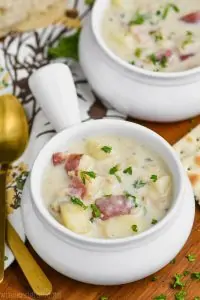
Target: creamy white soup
107,187
155,35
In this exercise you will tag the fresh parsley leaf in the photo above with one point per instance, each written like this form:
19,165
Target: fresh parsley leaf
152,57
95,211
113,171
132,62
103,298
138,19
85,174
157,35
138,52
191,257
66,47
154,221
138,184
127,195
163,61
188,40
177,281
158,13
160,297
195,275
180,295
154,177
134,228
186,272
154,278
128,171
106,149
89,2
173,261
167,9
78,201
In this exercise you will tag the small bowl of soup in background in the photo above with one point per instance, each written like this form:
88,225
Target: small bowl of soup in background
142,57
112,199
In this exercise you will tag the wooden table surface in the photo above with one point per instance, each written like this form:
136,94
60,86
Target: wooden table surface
16,287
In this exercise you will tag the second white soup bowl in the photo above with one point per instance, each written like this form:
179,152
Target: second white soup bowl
154,96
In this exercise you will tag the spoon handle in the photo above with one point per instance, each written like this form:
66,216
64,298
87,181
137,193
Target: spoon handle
3,169
38,281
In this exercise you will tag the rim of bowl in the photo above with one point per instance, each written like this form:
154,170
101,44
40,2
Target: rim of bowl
54,224
162,75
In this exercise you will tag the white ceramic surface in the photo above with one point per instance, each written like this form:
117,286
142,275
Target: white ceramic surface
154,96
97,260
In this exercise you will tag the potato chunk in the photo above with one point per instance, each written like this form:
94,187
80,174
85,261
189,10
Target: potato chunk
118,227
75,218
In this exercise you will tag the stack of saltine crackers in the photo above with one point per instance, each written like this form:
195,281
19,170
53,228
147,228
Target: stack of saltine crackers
188,149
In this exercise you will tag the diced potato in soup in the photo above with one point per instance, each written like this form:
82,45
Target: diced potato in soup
161,36
107,187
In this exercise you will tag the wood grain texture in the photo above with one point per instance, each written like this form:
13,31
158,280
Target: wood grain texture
16,287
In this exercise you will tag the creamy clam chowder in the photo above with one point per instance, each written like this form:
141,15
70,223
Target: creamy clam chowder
155,35
107,187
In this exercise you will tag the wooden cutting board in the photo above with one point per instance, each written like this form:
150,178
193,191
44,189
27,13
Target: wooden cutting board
16,287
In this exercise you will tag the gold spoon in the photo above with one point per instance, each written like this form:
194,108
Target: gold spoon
13,141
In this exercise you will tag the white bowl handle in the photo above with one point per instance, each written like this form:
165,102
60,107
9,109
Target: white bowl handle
54,89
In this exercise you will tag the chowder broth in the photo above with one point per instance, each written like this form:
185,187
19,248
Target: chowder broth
161,36
107,187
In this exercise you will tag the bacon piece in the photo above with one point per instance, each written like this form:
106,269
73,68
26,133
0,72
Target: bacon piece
113,206
72,162
186,56
58,158
192,18
77,188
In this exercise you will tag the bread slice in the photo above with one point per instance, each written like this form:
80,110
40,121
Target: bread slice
188,149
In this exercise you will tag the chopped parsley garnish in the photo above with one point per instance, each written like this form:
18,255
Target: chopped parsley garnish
154,278
188,39
152,57
154,177
163,61
157,35
78,201
173,261
113,171
186,273
106,149
158,13
138,52
138,184
160,297
191,257
138,19
177,281
128,171
132,62
167,9
180,295
103,298
86,174
127,195
5,258
154,221
134,228
197,298
95,211
195,275
158,61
